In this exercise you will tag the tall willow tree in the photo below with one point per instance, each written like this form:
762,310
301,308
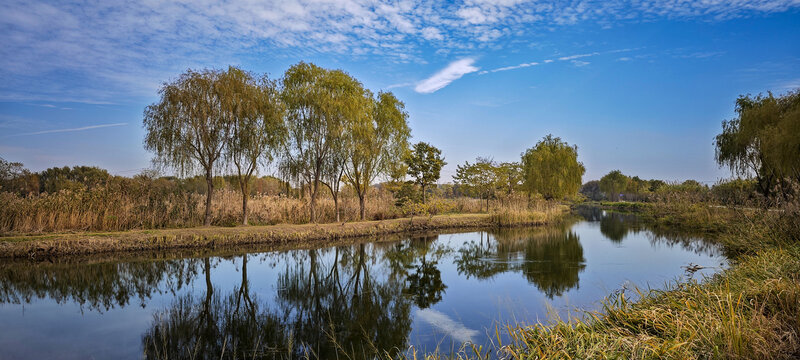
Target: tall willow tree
763,140
255,114
318,103
376,142
187,127
551,168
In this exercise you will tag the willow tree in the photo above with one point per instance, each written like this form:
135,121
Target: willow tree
252,107
425,164
613,184
763,140
318,103
376,142
187,128
551,168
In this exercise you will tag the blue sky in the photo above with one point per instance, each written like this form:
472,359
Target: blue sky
639,85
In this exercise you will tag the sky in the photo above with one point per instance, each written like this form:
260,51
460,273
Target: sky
638,85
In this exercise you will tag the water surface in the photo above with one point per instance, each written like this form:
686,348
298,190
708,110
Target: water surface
422,291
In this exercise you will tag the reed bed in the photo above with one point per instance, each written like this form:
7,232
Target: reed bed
156,205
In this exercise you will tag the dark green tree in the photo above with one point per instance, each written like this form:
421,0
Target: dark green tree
763,141
425,164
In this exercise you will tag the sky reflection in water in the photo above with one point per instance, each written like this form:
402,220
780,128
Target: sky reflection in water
425,291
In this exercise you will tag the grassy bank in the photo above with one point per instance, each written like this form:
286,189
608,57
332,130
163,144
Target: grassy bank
53,245
750,311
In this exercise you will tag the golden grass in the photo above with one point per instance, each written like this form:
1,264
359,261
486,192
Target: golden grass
53,245
152,205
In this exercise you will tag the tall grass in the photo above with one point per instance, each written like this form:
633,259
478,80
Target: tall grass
153,204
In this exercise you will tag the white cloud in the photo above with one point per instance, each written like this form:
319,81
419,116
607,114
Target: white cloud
83,128
432,33
444,77
506,68
580,63
128,48
573,57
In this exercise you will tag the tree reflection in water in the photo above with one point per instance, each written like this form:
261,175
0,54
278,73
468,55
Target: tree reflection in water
346,301
323,310
415,262
551,260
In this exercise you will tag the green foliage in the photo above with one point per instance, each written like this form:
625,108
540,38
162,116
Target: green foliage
14,177
613,184
592,190
425,164
736,192
87,177
551,168
763,141
479,179
188,127
320,103
255,113
375,143
406,192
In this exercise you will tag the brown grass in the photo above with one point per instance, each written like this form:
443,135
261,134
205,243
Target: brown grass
53,245
156,205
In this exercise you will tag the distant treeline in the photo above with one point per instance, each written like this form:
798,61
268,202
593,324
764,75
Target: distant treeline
616,186
761,146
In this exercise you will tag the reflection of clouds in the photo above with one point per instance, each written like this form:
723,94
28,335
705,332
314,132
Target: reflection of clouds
444,323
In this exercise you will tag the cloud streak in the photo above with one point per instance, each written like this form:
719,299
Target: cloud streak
83,128
571,58
444,77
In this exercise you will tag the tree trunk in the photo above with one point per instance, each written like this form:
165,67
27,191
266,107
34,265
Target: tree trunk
362,205
245,196
209,195
336,206
423,193
313,202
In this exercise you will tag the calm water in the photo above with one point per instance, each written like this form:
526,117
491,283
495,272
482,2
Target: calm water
422,291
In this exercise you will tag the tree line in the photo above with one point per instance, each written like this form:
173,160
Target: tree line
550,169
320,127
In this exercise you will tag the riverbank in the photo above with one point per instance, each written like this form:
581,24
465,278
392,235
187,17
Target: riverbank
39,247
749,311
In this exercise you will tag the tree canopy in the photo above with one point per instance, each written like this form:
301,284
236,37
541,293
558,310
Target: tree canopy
376,142
613,184
551,168
319,104
425,164
763,141
255,116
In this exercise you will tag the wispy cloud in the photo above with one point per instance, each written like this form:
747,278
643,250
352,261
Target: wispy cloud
444,77
571,58
128,48
82,128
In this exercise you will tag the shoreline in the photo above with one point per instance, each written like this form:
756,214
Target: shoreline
48,246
